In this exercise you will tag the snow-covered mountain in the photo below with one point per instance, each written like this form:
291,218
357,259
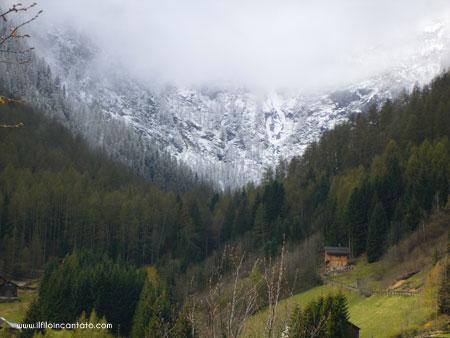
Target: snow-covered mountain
227,134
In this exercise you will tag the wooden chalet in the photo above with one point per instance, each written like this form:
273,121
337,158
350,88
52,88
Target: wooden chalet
8,289
336,258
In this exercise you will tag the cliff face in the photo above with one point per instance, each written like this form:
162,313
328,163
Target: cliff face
229,135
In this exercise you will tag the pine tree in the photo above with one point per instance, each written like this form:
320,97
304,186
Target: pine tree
413,216
296,327
273,201
444,291
325,317
242,220
337,322
260,229
357,218
152,315
84,282
376,237
228,222
91,333
183,327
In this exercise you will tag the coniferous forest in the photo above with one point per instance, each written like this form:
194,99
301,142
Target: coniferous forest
369,183
108,228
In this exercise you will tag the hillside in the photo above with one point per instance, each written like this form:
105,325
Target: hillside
370,182
103,197
57,194
401,302
377,316
224,133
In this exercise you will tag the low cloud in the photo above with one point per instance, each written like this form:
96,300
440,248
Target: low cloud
267,43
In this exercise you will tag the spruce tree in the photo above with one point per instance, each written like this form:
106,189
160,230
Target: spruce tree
444,291
152,315
183,327
296,325
378,225
357,218
326,317
338,319
85,282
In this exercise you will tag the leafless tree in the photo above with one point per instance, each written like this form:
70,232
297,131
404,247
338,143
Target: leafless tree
273,277
11,52
243,301
239,285
230,302
191,317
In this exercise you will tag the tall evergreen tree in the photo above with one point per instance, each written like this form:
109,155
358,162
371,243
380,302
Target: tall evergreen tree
183,327
84,282
376,237
152,316
444,291
326,317
357,218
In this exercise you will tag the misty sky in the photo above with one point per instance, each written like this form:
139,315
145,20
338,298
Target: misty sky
274,43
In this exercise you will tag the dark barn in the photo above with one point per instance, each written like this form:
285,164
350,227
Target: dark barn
352,330
7,288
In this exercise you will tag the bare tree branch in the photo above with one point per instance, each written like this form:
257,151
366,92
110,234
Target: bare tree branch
16,8
15,34
21,56
229,303
273,277
5,100
18,125
16,62
233,299
23,51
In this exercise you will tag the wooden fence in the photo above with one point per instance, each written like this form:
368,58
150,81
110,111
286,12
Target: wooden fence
368,292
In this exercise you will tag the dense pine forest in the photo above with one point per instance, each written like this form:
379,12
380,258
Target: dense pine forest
100,224
369,183
58,195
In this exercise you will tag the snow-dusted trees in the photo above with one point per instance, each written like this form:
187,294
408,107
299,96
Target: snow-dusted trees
36,84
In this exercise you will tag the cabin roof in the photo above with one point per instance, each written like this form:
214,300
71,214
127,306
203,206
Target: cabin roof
337,251
4,281
353,325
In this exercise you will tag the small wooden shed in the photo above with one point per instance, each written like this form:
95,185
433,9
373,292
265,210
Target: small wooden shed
352,330
336,258
8,289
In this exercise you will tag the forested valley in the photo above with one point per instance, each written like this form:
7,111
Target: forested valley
368,183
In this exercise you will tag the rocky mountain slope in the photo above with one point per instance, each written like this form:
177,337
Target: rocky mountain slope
229,135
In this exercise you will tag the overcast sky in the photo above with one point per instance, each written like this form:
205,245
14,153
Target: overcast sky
276,43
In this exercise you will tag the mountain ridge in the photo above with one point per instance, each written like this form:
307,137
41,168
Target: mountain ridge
226,135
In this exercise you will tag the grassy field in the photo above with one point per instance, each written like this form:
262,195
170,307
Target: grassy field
378,316
15,312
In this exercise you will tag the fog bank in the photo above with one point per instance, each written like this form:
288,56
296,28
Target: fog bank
266,43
